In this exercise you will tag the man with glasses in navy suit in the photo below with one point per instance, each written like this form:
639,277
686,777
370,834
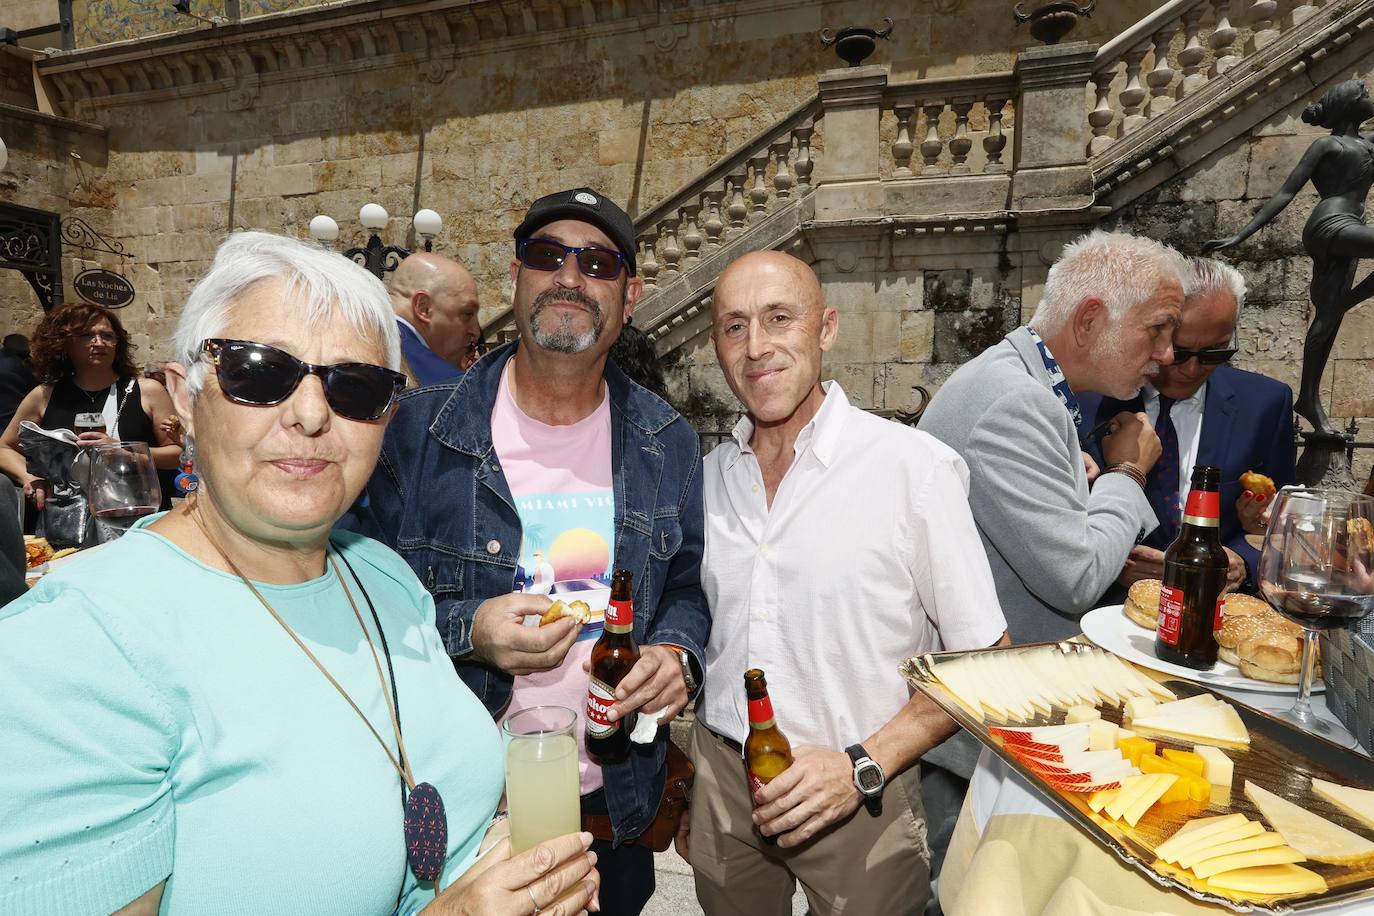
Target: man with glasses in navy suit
1206,412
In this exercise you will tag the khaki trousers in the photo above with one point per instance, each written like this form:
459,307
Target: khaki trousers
861,866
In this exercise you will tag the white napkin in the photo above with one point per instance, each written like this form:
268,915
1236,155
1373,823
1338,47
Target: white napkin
646,727
61,435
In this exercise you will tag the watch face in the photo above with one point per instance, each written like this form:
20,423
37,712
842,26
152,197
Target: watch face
870,777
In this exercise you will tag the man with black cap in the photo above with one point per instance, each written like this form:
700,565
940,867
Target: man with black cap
544,447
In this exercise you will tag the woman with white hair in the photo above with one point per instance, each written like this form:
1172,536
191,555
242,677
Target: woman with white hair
231,710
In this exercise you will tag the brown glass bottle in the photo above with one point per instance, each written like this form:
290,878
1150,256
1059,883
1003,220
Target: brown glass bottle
1194,578
614,654
767,752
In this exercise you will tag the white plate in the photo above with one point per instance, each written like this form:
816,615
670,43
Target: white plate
1112,630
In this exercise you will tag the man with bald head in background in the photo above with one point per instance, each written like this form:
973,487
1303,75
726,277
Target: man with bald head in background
825,527
435,301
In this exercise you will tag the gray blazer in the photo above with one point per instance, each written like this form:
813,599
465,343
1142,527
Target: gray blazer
1054,546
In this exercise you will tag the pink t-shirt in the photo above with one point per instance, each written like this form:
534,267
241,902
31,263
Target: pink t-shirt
560,478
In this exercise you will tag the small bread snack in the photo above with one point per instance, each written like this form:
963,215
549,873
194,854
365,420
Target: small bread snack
37,551
1262,644
1361,533
1257,483
65,552
578,610
1142,603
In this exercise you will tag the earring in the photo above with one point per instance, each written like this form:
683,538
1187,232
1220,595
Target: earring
186,481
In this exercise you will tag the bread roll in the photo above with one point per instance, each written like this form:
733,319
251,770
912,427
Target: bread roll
1142,603
1237,605
1262,644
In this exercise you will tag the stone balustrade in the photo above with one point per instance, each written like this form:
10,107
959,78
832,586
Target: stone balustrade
948,127
1172,53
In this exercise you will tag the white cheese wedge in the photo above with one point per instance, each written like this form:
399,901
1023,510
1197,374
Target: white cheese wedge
1217,768
1082,713
1358,803
1193,702
1275,880
1198,827
1192,849
1147,799
1099,800
1140,707
1309,833
1102,735
1132,788
1265,839
1212,724
1276,855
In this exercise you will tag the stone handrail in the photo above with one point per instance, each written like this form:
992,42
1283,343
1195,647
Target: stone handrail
952,116
1163,59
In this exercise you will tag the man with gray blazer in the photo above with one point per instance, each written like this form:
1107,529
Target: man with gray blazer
1106,321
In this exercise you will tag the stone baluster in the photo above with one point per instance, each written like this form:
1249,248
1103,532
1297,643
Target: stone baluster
1133,96
803,164
1302,11
1101,117
1262,29
737,210
994,141
1223,39
1192,54
758,190
932,144
691,232
1161,75
902,147
672,253
782,178
960,144
648,264
713,224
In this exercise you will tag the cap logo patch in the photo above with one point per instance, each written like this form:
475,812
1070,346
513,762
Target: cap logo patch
582,197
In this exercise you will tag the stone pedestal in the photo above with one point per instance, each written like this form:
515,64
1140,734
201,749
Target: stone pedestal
1323,462
847,182
1052,131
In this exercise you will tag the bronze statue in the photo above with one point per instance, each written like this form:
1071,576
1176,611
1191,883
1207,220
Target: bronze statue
1341,168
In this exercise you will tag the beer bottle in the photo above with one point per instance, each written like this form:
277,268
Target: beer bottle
1194,578
767,752
614,654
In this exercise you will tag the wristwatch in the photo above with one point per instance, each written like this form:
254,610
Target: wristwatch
869,778
685,661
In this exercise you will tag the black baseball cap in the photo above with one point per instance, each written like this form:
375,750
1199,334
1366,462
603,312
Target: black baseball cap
588,206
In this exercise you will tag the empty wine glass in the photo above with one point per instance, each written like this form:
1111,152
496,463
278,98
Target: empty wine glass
1317,570
123,485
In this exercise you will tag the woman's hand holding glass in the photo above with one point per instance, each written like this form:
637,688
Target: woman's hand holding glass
556,878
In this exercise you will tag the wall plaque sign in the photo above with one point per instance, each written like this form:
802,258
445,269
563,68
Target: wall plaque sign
103,287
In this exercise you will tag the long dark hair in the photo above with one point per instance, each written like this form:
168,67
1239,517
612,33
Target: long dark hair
634,353
51,363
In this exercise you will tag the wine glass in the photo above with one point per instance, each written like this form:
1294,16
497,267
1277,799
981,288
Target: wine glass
1317,570
123,485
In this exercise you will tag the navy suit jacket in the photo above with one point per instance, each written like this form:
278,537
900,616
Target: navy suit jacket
429,367
1247,425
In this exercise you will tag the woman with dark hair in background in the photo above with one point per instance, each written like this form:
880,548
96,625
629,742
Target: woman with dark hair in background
81,358
1341,168
634,353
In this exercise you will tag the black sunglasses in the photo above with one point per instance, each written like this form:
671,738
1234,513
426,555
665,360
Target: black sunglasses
545,254
259,375
1212,356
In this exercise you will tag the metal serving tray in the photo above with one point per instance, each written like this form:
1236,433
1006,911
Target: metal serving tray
1280,758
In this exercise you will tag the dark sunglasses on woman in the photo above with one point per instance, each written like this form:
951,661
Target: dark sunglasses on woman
1212,356
546,254
259,375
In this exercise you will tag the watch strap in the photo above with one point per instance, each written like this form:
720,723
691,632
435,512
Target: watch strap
874,803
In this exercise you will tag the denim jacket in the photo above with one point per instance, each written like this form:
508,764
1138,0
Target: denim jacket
439,498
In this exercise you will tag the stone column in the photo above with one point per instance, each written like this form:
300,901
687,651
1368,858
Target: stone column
847,174
1052,131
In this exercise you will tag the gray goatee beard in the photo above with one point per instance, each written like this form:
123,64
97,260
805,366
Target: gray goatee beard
562,339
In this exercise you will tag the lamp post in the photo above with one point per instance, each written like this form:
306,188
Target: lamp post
377,257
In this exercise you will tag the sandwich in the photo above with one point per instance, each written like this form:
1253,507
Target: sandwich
1142,603
1262,644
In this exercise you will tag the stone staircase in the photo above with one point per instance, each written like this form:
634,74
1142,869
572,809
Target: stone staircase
1069,135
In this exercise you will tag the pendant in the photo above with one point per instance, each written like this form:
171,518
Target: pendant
187,481
426,831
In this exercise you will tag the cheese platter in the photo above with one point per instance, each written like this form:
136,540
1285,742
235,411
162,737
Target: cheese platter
1213,798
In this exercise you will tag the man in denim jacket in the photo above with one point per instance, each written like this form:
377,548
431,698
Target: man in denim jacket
543,444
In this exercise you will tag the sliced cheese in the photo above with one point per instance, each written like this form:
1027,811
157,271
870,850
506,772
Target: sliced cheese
1218,769
1266,839
1358,803
1195,850
1197,828
1194,702
1132,788
1163,782
1213,723
1309,833
1099,800
1082,713
1275,855
1269,880
1140,707
1101,735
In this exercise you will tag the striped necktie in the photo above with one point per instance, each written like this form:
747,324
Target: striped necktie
1164,479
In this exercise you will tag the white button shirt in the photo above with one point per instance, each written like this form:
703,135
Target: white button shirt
1187,417
869,555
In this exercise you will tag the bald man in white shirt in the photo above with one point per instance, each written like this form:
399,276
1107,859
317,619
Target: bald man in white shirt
837,545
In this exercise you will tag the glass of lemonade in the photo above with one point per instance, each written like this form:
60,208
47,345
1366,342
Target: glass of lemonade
541,775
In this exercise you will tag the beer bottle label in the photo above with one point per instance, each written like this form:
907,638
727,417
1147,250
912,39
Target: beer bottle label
1203,509
1170,613
754,785
600,699
620,616
761,712
1220,616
